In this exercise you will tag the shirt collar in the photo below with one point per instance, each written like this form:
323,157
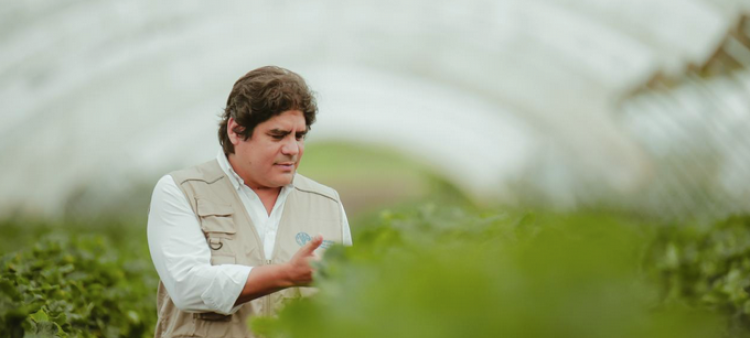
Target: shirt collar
234,178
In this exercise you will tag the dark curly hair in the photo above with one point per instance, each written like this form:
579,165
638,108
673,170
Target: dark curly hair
261,94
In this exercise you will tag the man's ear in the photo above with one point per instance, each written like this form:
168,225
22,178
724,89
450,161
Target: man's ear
233,137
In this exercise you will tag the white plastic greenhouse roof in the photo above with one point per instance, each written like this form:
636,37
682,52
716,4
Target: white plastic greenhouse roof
106,93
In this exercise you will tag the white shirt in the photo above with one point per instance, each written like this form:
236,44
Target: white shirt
181,254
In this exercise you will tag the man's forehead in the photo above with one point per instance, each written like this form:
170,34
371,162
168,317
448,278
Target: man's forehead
286,121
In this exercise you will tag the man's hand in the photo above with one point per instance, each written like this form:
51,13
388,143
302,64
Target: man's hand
265,279
299,269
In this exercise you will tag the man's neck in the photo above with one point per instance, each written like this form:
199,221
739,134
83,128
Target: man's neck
267,195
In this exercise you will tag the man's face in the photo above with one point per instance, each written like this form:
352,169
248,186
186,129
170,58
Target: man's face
271,156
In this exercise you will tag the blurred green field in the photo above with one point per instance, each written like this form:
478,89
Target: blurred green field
370,178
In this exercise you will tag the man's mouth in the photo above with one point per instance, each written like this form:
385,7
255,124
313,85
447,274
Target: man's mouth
285,165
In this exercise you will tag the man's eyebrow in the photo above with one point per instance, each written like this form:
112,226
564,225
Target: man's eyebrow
279,132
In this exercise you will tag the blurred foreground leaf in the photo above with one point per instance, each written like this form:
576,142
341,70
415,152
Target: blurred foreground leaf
437,272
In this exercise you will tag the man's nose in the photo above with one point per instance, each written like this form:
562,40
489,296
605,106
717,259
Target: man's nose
290,147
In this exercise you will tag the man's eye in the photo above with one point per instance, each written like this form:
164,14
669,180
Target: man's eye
301,137
278,137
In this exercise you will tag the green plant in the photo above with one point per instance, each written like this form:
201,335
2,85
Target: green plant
76,286
415,271
706,266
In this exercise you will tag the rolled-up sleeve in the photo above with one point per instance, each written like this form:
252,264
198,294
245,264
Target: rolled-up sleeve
182,258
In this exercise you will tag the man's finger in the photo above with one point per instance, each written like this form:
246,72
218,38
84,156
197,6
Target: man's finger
313,244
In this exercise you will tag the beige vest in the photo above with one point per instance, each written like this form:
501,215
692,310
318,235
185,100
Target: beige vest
310,209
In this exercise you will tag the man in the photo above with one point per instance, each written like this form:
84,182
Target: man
232,238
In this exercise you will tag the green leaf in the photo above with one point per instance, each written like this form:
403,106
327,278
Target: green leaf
133,316
7,288
40,316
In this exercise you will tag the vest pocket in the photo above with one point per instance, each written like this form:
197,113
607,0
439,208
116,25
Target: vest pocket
218,226
217,220
208,208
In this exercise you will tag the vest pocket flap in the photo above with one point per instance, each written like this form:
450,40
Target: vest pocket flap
216,226
206,208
